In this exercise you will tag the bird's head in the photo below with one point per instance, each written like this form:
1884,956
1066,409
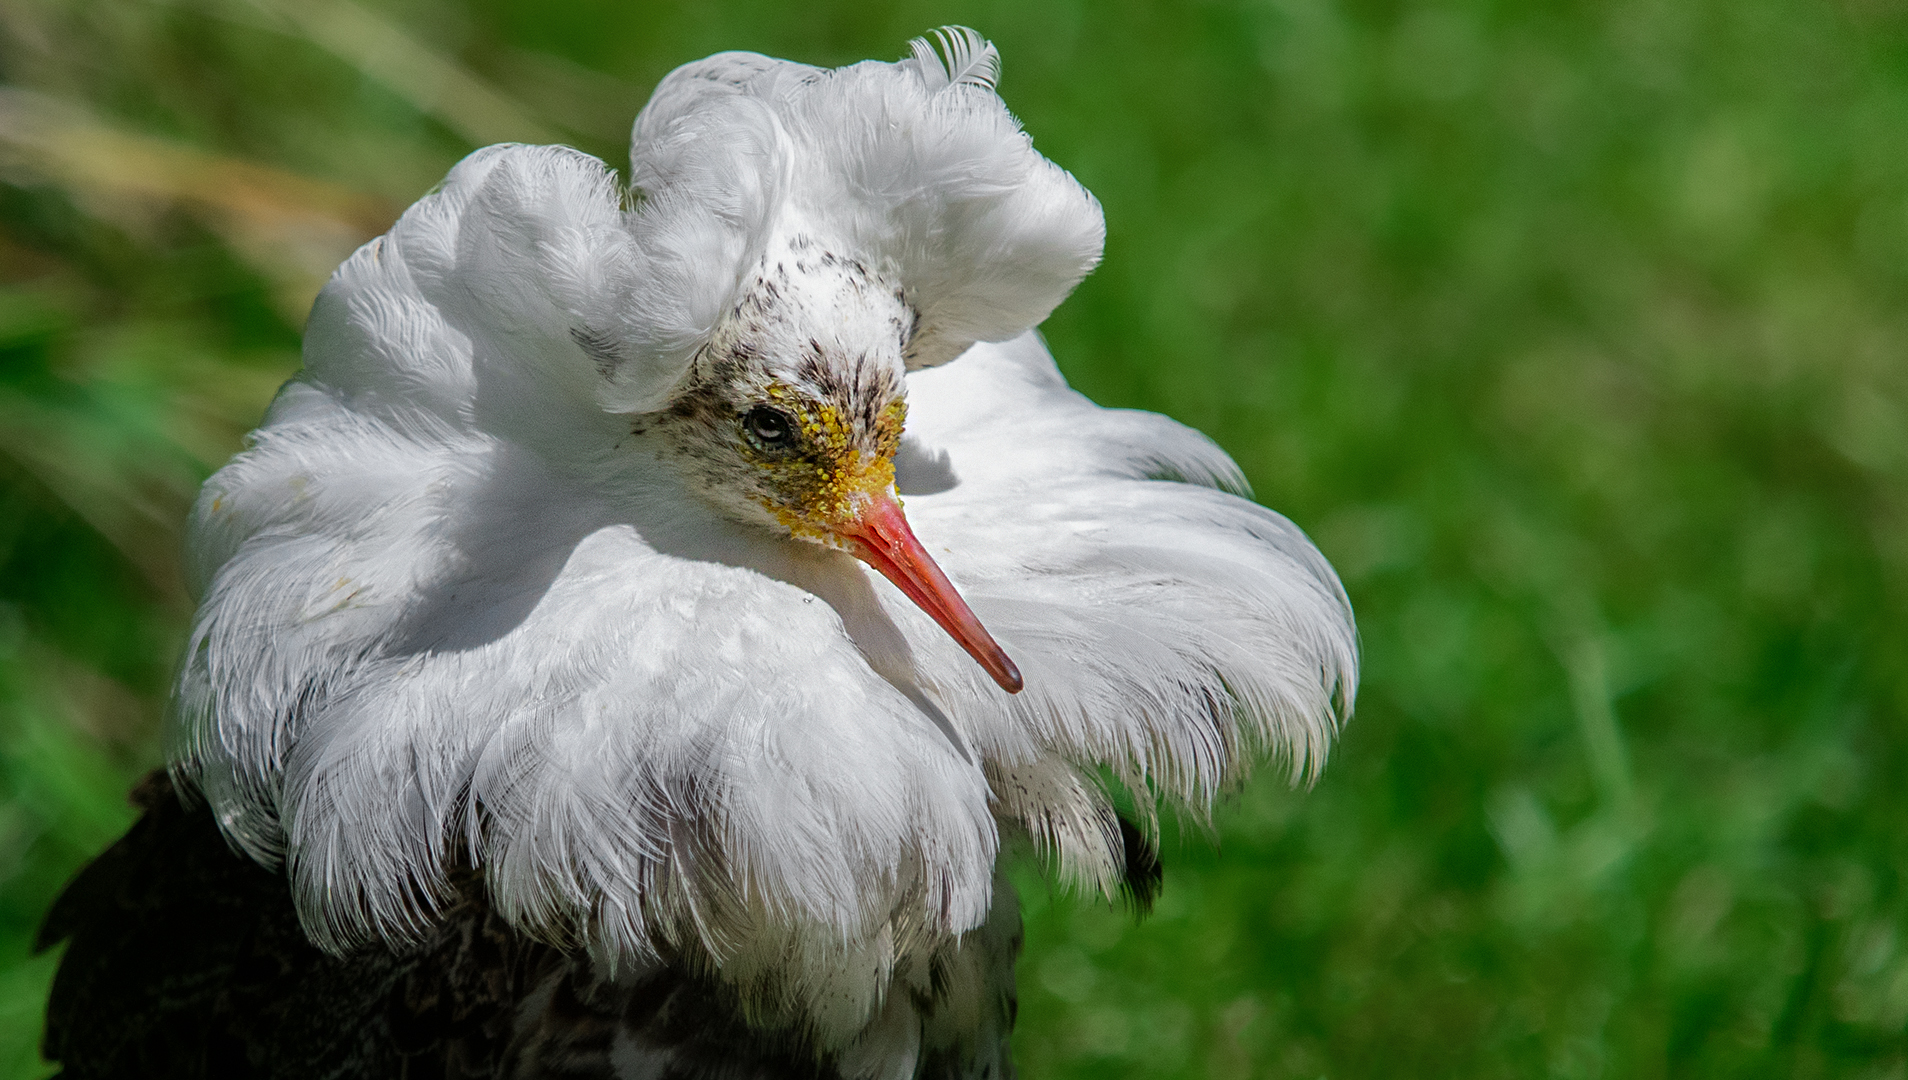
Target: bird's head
792,243
790,417
807,238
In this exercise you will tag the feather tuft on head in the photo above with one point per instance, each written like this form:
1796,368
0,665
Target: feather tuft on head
941,193
956,56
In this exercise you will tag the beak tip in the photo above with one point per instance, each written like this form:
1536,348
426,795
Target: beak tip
1009,677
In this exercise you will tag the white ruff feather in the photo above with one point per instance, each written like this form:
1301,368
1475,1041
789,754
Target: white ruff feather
452,608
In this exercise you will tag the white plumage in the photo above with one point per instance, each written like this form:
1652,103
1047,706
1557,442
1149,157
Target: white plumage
483,588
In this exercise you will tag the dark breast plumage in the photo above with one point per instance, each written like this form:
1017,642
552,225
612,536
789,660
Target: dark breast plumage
185,959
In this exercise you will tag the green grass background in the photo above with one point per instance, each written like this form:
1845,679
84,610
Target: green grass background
1574,332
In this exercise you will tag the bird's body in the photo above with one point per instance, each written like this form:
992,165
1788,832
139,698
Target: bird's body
535,669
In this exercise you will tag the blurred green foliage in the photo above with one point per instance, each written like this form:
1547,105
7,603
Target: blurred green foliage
1574,332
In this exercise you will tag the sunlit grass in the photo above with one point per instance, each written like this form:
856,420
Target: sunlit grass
1573,332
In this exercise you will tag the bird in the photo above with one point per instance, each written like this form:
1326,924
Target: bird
636,640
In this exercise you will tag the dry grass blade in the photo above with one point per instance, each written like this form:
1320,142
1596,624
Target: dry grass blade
434,84
292,228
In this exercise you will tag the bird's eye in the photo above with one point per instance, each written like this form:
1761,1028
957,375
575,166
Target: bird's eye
770,427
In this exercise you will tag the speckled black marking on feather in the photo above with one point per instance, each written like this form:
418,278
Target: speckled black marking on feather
820,375
907,326
599,347
758,300
690,406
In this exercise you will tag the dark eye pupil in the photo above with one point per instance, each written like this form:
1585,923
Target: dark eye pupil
768,425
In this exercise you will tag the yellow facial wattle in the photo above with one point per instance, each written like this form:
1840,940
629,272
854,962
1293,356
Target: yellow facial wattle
833,470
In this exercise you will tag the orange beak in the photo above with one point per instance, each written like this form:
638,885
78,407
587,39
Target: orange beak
880,537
